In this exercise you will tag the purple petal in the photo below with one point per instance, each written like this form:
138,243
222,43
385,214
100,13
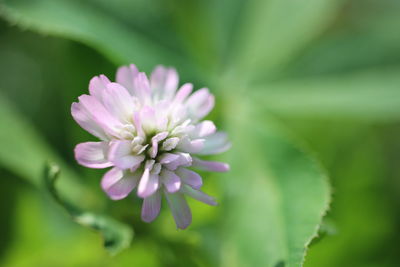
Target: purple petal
97,84
179,209
200,103
190,177
184,160
141,88
120,153
199,195
151,207
154,143
161,109
171,181
170,143
160,136
148,184
148,118
183,93
100,115
213,166
118,184
204,128
111,177
85,120
126,75
118,101
215,144
183,129
166,158
138,124
190,146
92,155
164,82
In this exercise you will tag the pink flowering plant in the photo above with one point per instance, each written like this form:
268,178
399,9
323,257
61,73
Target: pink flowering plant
274,67
152,136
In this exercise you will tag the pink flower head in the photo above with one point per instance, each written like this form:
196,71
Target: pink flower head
151,133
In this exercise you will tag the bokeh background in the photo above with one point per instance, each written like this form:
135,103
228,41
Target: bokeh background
329,71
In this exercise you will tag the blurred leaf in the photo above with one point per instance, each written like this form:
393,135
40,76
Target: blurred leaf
227,16
24,152
364,211
364,39
276,195
273,31
348,51
117,236
9,191
195,25
85,23
145,17
42,236
370,96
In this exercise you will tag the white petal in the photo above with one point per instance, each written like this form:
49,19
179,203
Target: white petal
215,144
164,82
97,84
154,143
190,146
126,75
118,184
141,88
183,93
202,129
86,121
166,158
170,143
110,124
120,154
138,124
92,154
148,119
118,102
148,184
183,160
200,104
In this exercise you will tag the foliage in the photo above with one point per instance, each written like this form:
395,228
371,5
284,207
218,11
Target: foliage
323,71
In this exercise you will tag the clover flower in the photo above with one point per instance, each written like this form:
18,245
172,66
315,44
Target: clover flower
151,135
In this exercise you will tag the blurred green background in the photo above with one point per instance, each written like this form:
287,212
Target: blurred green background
327,71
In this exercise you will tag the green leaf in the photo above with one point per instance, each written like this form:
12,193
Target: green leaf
360,175
275,198
370,96
365,39
24,152
90,25
117,236
273,31
193,21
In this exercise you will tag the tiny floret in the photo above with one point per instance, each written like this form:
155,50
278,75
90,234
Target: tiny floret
151,136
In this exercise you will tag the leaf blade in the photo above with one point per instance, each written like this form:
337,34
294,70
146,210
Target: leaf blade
273,31
85,23
370,96
273,210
